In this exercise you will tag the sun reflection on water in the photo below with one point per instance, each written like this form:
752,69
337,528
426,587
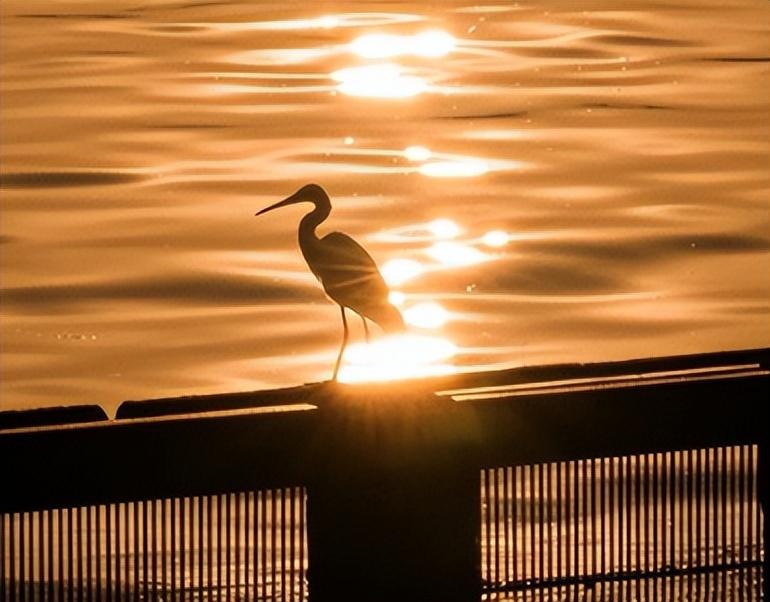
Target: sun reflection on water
397,357
455,254
383,80
398,271
428,44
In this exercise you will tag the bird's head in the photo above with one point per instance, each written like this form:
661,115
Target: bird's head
310,193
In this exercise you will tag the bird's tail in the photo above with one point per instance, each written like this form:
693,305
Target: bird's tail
389,319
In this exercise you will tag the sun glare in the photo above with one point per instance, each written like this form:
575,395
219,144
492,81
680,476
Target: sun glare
455,254
466,168
384,80
396,298
417,153
428,44
444,228
397,357
426,315
398,271
495,238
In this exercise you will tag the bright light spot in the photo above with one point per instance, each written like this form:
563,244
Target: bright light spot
432,44
328,21
467,168
378,45
455,254
495,238
443,228
396,298
398,271
426,315
378,81
397,357
428,44
417,153
349,140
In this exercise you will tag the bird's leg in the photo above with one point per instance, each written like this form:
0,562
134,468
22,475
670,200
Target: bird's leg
366,329
344,344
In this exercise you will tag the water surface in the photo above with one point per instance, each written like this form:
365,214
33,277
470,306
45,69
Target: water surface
620,154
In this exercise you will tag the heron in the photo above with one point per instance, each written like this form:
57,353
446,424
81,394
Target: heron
347,273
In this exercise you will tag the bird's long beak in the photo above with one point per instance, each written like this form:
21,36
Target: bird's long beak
295,198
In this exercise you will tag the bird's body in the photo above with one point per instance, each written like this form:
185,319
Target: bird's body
347,273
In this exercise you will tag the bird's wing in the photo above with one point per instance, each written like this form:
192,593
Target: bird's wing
349,272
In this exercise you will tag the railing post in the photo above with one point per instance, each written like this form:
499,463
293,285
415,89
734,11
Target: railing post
393,503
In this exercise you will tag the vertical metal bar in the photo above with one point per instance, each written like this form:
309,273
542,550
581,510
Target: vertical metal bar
40,555
263,505
228,544
558,502
672,516
79,544
741,509
486,522
533,521
108,551
568,521
514,523
549,518
182,546
31,547
637,520
255,542
98,553
643,515
292,530
540,522
50,579
612,509
88,553
724,515
145,548
733,495
172,546
191,544
523,497
602,543
22,558
284,524
621,511
690,520
210,542
237,547
751,501
301,545
506,524
164,546
3,557
246,547
708,476
698,514
273,539
585,515
630,462
12,554
155,549
594,533
496,523
655,523
117,552
200,547
135,549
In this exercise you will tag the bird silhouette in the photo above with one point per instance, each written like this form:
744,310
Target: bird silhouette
347,273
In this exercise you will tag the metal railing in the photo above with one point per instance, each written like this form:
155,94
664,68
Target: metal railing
662,526
630,481
235,546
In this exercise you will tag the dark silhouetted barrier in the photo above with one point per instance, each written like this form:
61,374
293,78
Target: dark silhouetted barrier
628,480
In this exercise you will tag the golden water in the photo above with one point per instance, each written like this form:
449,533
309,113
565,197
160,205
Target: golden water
599,173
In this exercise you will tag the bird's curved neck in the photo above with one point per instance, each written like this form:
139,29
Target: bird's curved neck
312,220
